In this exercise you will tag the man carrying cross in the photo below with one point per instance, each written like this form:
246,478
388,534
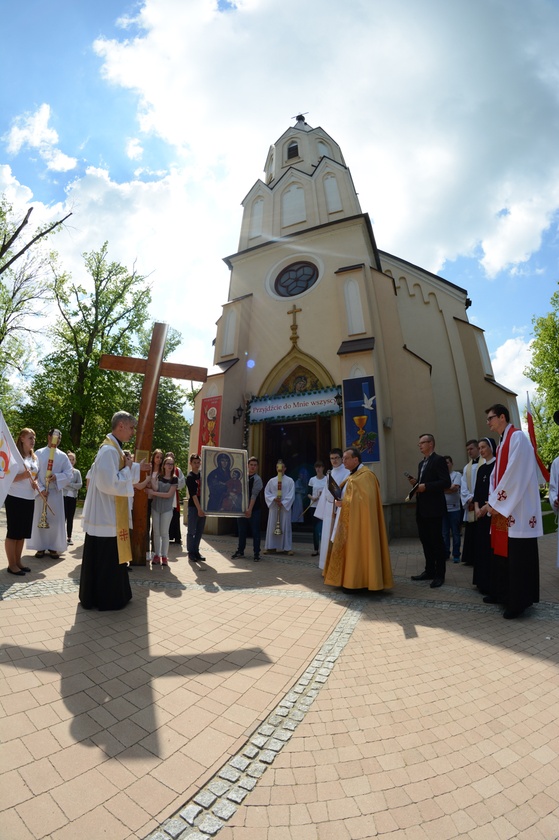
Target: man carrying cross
106,521
516,517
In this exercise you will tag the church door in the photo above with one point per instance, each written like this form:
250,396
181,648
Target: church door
299,444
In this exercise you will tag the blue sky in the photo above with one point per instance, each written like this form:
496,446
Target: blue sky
152,120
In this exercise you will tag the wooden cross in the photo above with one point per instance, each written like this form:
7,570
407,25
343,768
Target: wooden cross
153,369
294,337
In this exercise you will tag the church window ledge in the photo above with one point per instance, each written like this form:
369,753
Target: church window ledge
356,345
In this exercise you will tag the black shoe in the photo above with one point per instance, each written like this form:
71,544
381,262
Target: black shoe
256,558
512,613
237,554
436,582
422,576
20,572
192,558
199,557
25,568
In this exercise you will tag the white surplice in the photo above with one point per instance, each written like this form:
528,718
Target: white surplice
106,482
517,496
283,541
325,510
52,538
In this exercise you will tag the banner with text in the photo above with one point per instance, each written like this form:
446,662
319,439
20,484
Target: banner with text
295,406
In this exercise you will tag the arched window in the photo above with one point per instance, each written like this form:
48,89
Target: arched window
256,216
354,310
293,205
333,200
292,150
323,149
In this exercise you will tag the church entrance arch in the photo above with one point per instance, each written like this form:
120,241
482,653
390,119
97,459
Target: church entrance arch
299,444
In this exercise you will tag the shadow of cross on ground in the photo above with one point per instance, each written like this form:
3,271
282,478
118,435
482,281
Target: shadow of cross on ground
107,672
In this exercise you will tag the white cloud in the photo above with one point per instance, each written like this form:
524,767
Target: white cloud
134,149
462,126
510,360
33,131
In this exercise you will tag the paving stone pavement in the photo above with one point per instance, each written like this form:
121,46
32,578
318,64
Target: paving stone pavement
250,702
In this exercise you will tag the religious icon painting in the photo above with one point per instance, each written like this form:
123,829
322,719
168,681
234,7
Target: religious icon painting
224,485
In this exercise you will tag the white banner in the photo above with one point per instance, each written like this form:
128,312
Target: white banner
10,460
293,406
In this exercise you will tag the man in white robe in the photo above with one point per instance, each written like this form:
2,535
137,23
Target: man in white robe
325,509
279,542
51,540
104,580
516,516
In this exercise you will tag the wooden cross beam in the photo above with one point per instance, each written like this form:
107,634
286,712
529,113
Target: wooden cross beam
153,368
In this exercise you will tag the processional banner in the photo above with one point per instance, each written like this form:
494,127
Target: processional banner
360,414
210,421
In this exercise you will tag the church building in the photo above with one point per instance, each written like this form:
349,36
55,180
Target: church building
326,341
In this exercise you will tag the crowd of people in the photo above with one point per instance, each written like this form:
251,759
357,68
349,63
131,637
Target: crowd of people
494,502
497,498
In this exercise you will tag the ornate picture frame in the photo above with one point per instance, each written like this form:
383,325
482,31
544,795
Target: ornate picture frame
224,481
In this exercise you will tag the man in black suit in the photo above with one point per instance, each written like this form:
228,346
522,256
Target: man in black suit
433,478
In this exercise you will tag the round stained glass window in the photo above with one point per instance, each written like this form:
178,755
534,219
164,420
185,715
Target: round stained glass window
296,279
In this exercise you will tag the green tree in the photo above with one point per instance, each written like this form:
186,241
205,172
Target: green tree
104,314
544,371
104,318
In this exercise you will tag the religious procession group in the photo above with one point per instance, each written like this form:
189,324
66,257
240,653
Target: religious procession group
497,496
497,501
41,504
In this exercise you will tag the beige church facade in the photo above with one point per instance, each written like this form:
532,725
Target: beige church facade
326,341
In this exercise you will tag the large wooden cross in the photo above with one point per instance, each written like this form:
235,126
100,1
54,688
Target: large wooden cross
153,369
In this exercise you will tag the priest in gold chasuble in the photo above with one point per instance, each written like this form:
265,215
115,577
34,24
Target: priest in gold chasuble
359,557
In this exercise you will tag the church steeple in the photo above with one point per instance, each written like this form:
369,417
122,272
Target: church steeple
307,183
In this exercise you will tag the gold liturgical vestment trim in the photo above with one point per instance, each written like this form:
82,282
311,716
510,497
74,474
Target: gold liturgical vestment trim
122,514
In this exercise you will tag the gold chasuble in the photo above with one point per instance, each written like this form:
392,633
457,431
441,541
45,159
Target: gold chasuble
122,514
359,556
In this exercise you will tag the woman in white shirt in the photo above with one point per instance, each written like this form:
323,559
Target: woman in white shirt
20,503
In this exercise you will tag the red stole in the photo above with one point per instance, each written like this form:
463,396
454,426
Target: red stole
499,523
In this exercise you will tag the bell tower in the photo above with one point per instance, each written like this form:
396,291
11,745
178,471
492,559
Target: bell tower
306,184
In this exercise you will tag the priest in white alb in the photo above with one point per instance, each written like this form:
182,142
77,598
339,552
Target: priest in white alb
279,494
325,508
516,517
104,580
50,541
